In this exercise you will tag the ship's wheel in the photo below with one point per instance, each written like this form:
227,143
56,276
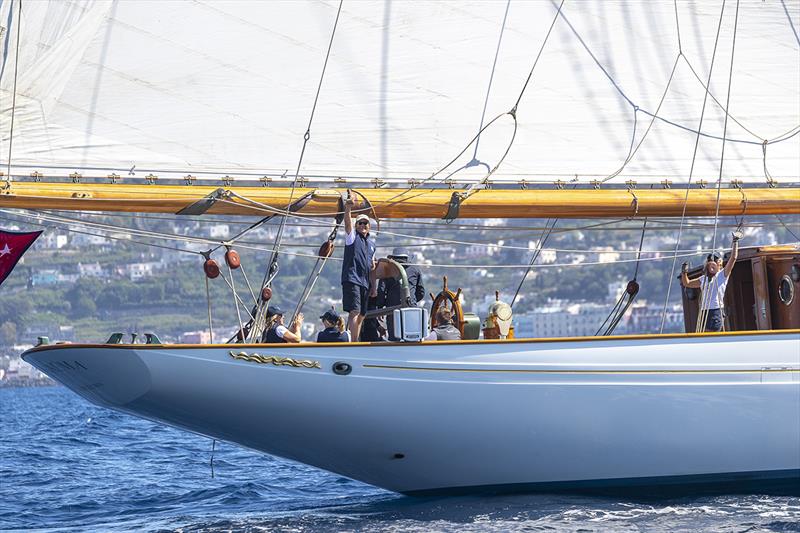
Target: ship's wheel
448,299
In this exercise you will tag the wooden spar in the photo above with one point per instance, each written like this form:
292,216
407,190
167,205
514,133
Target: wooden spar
413,203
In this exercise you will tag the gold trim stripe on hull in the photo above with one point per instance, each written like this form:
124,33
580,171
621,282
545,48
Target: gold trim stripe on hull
554,371
414,203
722,335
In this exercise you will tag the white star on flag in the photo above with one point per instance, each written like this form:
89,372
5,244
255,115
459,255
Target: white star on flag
5,251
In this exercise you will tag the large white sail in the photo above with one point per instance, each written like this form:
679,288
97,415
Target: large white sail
228,87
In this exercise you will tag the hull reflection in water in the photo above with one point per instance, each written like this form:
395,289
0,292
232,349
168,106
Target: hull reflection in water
688,411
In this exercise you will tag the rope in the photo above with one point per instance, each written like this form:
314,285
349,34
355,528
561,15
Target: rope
691,170
311,281
542,240
267,208
622,93
306,137
725,125
14,96
632,151
475,160
793,234
208,301
618,311
512,113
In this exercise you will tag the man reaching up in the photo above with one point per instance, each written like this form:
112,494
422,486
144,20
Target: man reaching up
712,284
359,263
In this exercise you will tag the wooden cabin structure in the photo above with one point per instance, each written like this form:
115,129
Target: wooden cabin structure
763,292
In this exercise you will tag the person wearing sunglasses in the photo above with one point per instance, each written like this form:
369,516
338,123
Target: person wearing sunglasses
357,267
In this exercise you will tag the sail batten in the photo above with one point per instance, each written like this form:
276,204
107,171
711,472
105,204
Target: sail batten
390,203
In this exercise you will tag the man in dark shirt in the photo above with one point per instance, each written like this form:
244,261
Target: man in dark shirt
390,292
357,268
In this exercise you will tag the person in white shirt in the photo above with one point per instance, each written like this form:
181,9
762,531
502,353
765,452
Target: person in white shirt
712,284
276,332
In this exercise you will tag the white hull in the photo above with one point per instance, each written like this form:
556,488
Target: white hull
570,414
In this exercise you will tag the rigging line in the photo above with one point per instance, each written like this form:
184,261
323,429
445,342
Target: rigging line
122,229
414,223
208,301
719,104
633,151
539,55
547,229
725,124
793,234
512,112
306,138
791,24
632,104
267,208
66,225
542,240
240,334
550,265
13,95
791,133
626,298
691,169
710,136
104,236
678,26
639,252
491,79
237,298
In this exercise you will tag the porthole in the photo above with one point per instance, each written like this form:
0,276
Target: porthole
786,290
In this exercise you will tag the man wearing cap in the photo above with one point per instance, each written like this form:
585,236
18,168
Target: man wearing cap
390,292
357,268
712,284
276,332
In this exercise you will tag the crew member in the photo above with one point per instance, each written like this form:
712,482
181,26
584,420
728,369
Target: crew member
276,332
334,328
357,269
445,330
712,284
374,328
389,290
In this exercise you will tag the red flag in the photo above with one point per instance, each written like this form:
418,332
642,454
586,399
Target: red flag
12,245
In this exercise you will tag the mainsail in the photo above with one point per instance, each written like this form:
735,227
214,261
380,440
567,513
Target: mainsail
222,90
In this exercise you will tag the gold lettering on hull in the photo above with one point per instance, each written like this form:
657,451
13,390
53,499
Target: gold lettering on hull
274,360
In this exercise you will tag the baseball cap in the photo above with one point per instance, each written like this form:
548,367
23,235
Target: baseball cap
274,310
362,216
331,316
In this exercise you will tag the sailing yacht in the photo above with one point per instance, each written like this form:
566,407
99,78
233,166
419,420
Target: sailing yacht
567,110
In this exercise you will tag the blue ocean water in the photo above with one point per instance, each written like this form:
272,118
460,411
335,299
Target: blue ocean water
67,465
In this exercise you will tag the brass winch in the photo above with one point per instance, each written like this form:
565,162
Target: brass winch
498,321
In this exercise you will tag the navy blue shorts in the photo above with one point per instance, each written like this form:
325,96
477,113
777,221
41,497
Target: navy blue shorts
354,297
714,320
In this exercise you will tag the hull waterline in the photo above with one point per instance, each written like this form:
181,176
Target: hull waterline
667,411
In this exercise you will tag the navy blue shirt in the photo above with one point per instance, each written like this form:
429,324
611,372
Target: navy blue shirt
357,259
271,335
389,289
332,334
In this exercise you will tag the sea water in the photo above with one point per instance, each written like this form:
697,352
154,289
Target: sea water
68,465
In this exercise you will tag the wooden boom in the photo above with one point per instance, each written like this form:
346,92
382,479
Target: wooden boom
413,203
